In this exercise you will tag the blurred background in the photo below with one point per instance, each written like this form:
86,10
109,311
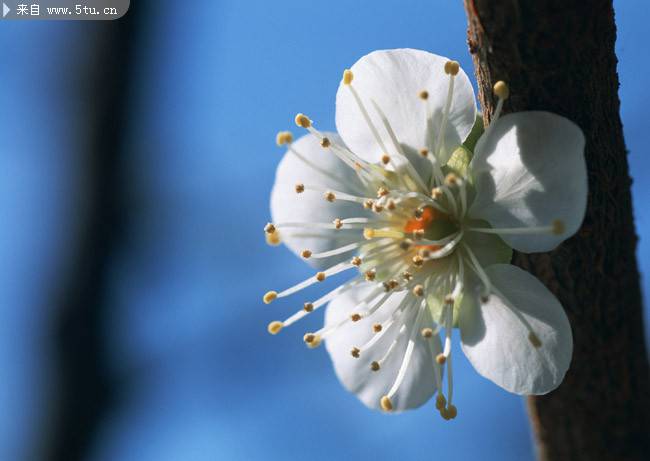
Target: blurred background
136,161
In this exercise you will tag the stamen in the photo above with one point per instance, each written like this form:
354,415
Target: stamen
273,239
385,159
302,121
300,188
270,296
319,277
269,228
347,76
386,404
424,95
557,227
275,327
325,143
312,340
306,254
283,137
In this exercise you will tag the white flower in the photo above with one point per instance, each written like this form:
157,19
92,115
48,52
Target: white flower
427,233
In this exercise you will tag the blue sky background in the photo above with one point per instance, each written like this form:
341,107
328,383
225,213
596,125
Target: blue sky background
203,380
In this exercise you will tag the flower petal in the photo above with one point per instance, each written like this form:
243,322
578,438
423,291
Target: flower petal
393,79
355,373
496,341
320,169
529,172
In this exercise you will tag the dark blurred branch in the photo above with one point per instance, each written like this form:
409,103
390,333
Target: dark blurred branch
558,55
84,389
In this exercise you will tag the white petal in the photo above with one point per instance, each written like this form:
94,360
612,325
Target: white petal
355,373
393,79
310,206
529,172
497,343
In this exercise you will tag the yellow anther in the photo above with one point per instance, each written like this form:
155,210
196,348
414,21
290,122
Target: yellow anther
356,261
355,352
368,233
424,152
418,261
338,223
534,340
406,275
385,159
270,296
275,327
368,204
312,340
382,191
355,317
329,196
391,205
269,228
303,121
377,327
441,402
273,239
452,412
436,193
426,333
325,143
418,213
418,290
370,275
451,179
309,337
449,299
377,208
501,90
300,188
308,307
320,276
392,283
305,254
418,234
347,76
386,286
406,244
558,227
283,137
441,359
452,67
374,366
424,95
386,404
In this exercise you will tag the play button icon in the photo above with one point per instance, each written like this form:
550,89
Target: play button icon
5,10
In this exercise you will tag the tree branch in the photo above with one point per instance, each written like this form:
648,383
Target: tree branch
558,55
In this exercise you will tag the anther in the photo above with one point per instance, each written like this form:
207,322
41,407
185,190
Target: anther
451,179
329,196
392,283
534,340
501,90
320,276
283,137
406,275
382,191
452,67
368,233
485,299
418,234
355,317
441,359
325,143
269,228
338,223
347,76
312,340
368,204
377,327
386,404
418,290
386,286
275,327
370,275
385,159
302,121
374,366
355,352
270,296
305,254
300,188
308,307
424,152
273,239
377,208
426,333
418,213
452,412
436,193
425,253
424,95
356,261
558,227
418,261
391,205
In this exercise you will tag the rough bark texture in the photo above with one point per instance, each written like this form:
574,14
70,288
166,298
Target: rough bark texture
558,55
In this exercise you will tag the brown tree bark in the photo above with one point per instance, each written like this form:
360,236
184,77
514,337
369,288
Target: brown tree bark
558,55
